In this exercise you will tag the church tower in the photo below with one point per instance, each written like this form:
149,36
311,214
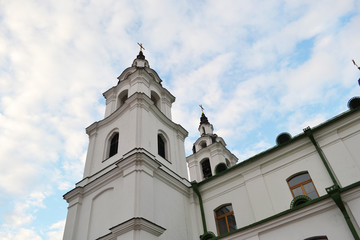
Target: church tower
135,166
210,155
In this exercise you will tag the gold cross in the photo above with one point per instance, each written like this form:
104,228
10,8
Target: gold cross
141,47
202,108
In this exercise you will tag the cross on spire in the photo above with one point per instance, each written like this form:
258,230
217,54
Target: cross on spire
141,46
202,108
358,68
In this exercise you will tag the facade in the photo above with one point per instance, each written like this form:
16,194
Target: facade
136,183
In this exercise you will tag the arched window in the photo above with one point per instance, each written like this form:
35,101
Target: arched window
301,184
162,151
123,96
225,219
155,98
203,144
114,143
206,168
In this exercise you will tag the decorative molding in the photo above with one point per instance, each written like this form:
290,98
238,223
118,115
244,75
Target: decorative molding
134,224
299,200
322,205
138,159
75,193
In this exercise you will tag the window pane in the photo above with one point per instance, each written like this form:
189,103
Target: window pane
161,146
114,145
299,179
310,190
222,226
298,191
231,222
223,210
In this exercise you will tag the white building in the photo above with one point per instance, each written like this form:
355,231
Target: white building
135,183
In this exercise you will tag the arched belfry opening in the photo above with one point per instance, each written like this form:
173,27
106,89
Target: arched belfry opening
123,96
155,98
203,144
206,168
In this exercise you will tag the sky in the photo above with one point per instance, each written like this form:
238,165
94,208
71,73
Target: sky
259,68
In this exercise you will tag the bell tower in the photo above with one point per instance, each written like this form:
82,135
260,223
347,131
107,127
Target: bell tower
210,155
135,166
138,114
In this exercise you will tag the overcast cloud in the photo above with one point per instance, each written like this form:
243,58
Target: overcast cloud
259,68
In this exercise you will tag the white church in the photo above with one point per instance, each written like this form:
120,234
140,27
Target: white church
136,184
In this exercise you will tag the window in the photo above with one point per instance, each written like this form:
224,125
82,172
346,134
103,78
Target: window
114,143
155,98
225,219
162,146
206,168
301,184
203,144
123,96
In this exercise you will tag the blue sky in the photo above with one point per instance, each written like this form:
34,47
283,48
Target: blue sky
258,67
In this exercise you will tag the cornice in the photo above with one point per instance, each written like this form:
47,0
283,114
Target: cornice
141,100
72,194
182,185
298,142
280,219
138,159
133,224
216,146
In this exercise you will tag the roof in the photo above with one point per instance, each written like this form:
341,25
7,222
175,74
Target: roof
258,156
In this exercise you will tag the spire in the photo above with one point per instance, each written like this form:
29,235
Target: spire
205,127
141,56
204,119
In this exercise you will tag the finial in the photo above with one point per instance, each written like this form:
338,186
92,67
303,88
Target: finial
203,118
141,55
141,46
202,108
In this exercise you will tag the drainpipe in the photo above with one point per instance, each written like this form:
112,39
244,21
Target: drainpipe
333,191
206,235
195,187
309,133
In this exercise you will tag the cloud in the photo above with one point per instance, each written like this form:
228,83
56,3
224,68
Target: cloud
239,59
22,234
56,230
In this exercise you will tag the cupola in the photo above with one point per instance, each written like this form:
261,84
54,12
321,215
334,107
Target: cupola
210,155
139,78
